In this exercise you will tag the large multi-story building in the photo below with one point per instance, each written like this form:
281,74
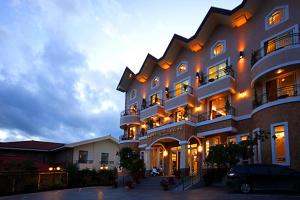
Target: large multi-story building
237,75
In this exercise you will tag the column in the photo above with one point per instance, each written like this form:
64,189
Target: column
148,158
183,157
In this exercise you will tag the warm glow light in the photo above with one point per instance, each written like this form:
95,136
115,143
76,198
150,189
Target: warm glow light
165,153
101,167
58,168
106,167
50,169
196,47
142,79
165,65
279,71
200,148
239,21
243,94
143,125
166,119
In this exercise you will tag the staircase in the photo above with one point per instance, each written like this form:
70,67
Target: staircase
150,183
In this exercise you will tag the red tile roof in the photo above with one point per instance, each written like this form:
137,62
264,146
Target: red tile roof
31,145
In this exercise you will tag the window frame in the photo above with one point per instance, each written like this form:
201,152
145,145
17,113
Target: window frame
158,92
87,156
177,68
130,97
156,77
101,162
212,55
286,141
286,12
134,103
188,79
215,65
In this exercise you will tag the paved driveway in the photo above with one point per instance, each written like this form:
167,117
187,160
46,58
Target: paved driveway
98,193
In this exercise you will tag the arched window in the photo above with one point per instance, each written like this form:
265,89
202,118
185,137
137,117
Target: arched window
181,68
276,16
218,48
155,82
133,94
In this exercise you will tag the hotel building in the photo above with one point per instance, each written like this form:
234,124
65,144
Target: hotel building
237,75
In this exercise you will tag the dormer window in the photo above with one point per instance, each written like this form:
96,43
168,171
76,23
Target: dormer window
133,94
276,16
182,68
155,82
218,48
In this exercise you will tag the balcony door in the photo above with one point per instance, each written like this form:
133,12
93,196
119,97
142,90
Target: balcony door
271,89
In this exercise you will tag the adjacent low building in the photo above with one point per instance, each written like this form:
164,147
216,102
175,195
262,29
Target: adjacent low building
97,153
239,74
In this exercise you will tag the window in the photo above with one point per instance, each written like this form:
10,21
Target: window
218,48
280,147
217,71
155,99
83,156
133,94
244,138
281,87
211,142
278,42
104,158
181,68
277,16
181,87
232,140
216,107
133,109
155,83
131,132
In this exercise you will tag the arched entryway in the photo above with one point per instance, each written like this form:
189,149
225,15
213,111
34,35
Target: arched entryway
165,155
194,155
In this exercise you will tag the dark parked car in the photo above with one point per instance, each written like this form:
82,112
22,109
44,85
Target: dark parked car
263,177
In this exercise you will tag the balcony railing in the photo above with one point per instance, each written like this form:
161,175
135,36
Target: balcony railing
280,93
182,90
217,75
274,45
129,112
157,101
213,114
126,137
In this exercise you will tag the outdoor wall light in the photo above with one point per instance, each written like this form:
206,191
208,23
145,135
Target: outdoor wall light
242,54
200,148
165,153
166,89
50,169
197,75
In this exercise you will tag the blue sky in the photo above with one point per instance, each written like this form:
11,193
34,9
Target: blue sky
61,60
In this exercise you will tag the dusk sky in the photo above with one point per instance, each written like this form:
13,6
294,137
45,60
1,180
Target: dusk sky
61,60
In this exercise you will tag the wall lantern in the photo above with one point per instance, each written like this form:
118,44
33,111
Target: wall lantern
200,148
242,54
197,75
165,153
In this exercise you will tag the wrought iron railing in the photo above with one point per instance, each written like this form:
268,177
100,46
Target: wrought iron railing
279,93
157,101
213,114
129,112
182,90
126,137
274,45
227,71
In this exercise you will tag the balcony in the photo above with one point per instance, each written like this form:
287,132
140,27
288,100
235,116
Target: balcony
216,113
129,117
126,137
180,97
279,94
153,109
278,52
218,82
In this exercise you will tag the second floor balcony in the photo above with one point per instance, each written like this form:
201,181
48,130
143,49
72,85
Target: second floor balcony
181,96
129,117
276,95
216,113
154,108
219,81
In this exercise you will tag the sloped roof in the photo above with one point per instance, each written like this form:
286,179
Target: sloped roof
214,17
31,145
107,137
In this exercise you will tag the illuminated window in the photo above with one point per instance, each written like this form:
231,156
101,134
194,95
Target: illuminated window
133,109
217,107
278,42
232,140
280,147
182,67
207,147
181,87
277,16
155,82
155,99
217,72
244,138
218,48
133,94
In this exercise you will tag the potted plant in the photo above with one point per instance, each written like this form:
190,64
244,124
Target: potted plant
201,78
227,106
150,123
